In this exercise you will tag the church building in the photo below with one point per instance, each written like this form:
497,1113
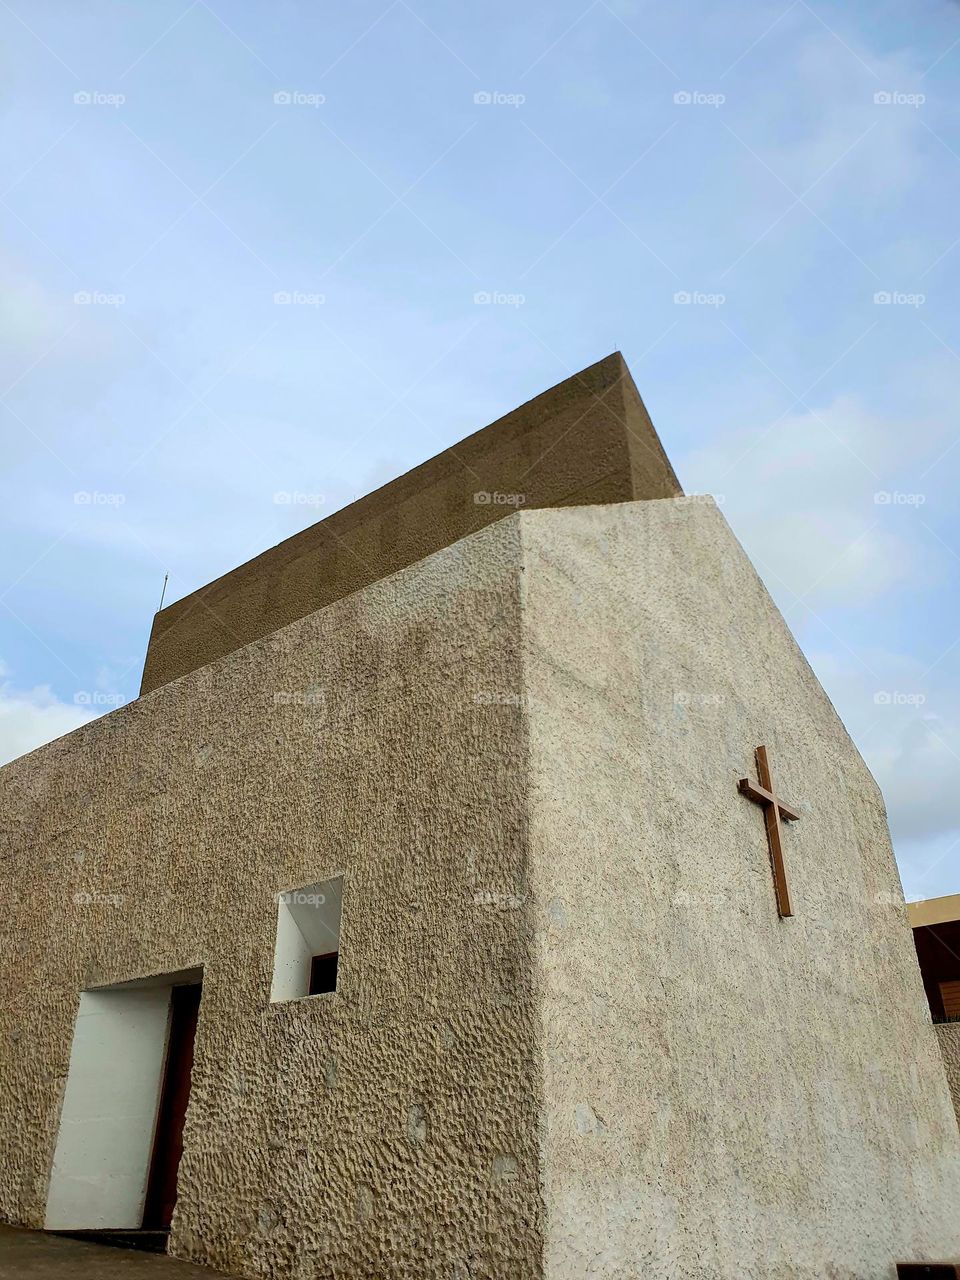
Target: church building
482,887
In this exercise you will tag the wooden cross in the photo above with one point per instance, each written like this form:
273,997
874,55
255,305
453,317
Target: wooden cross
773,810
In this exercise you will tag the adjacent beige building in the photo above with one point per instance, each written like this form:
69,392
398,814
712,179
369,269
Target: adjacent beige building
484,805
936,934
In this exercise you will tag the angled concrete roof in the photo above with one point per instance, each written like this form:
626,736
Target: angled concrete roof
587,440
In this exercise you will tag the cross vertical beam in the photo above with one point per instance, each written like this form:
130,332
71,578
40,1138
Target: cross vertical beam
774,810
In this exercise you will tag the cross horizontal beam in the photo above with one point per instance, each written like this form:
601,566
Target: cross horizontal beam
760,795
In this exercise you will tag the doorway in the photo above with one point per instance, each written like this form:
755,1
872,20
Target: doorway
172,1113
124,1106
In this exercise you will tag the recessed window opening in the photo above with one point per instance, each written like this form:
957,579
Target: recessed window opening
323,973
306,956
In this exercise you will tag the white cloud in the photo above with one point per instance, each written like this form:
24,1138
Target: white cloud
930,868
849,138
29,314
917,765
904,717
37,323
31,717
801,496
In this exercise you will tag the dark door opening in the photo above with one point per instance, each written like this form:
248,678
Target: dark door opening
174,1096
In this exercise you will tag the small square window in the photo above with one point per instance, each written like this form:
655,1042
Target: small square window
306,956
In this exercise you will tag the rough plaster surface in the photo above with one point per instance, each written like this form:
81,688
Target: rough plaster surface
571,1039
389,1130
948,1033
587,440
726,1094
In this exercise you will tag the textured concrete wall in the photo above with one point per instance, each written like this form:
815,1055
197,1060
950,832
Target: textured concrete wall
948,1033
572,1038
726,1094
389,1130
588,439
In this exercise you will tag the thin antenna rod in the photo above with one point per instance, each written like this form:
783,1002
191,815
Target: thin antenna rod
163,592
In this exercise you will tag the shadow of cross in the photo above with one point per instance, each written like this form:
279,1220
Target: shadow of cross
774,809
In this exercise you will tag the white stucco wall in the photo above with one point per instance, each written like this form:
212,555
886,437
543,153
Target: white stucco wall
727,1094
291,958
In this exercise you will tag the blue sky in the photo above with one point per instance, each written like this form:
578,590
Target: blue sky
788,166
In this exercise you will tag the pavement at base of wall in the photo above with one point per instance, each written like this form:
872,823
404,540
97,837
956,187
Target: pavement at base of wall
37,1255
